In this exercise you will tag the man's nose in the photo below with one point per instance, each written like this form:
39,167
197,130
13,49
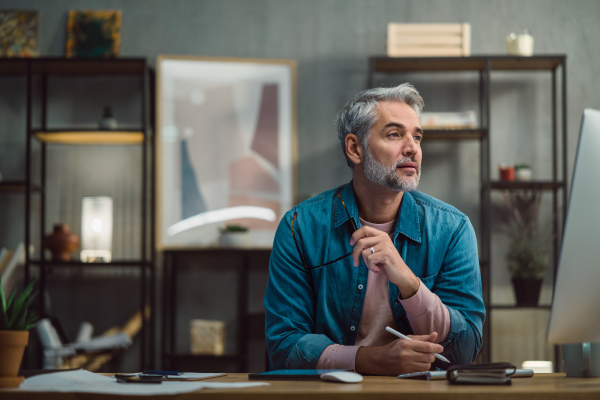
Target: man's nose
410,146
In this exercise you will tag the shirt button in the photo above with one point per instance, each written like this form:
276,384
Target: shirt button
352,328
360,286
396,302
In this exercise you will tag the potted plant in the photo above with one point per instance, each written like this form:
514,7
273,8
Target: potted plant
523,172
235,235
527,256
15,321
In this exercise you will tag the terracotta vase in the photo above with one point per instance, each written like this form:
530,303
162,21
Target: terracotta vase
12,347
61,242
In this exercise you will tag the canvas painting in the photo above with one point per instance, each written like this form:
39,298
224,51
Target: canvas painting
226,148
19,33
93,34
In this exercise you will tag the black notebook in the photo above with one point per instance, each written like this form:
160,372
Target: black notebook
481,374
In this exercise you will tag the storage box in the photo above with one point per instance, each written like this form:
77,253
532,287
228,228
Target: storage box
207,337
428,40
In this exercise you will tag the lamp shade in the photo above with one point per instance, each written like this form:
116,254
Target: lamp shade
96,229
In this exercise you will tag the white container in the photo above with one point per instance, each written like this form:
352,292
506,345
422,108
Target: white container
207,337
235,239
520,45
523,174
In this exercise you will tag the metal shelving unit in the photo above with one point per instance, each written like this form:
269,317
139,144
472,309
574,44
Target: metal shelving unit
37,72
485,66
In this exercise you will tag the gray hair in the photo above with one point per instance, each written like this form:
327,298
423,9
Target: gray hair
360,113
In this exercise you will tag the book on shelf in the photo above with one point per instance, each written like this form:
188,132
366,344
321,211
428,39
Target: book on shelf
5,255
449,120
13,270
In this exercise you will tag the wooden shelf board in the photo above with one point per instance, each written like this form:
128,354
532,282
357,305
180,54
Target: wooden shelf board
520,185
189,356
514,306
91,137
453,134
81,264
473,63
73,66
16,187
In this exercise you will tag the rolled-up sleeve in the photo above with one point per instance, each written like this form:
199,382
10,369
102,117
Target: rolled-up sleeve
459,288
289,307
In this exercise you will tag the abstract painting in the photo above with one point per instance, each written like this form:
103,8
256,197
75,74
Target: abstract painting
19,33
93,34
226,148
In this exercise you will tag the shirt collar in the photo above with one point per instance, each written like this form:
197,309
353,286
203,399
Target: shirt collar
408,222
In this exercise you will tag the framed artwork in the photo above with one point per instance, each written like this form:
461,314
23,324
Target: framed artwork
19,33
226,148
94,34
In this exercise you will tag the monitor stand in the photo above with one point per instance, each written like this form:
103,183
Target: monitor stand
582,360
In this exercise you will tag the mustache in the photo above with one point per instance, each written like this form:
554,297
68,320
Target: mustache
406,160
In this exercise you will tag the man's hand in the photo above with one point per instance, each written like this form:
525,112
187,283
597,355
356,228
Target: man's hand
399,356
385,257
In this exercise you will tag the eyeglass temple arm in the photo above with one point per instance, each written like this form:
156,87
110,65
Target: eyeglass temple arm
347,213
296,242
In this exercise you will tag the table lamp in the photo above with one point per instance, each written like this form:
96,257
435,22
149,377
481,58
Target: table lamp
96,229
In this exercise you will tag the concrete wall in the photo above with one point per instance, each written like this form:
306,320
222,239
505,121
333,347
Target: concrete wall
331,41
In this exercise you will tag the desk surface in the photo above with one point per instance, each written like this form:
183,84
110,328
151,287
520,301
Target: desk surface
541,386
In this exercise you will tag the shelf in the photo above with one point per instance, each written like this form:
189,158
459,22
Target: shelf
81,264
473,63
15,187
71,66
203,357
453,134
514,306
520,185
90,136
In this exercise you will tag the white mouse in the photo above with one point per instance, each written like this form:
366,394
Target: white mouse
342,376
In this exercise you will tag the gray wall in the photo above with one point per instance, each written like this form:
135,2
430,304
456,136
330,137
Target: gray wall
331,41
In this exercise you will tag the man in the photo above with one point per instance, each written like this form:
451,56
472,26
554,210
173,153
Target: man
375,253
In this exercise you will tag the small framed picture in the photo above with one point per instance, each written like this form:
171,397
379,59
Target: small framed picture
19,33
93,34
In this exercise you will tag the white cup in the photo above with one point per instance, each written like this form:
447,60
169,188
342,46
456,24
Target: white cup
520,45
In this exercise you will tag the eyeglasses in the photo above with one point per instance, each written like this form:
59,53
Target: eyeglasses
298,233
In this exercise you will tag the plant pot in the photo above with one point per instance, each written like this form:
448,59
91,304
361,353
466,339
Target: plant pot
235,239
527,291
12,347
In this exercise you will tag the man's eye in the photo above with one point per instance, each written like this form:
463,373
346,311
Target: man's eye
394,134
418,138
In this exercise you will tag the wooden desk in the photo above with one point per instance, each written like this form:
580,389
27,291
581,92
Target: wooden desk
542,386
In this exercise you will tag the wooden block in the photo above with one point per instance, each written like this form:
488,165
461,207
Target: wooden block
417,40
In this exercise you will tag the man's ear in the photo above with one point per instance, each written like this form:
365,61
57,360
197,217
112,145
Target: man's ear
354,149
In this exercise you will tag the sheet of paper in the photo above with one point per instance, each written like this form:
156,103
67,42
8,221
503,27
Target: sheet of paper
192,376
87,382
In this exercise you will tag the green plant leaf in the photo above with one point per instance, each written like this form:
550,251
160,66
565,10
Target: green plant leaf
16,316
2,299
23,300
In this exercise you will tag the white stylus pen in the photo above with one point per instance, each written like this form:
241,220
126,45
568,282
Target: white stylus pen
401,336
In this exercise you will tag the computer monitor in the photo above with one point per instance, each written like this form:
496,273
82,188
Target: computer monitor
575,313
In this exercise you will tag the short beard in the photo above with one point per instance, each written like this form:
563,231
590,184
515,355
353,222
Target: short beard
382,175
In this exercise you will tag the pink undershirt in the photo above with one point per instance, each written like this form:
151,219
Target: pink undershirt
426,313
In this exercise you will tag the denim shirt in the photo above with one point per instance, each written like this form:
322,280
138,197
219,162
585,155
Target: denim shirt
308,310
